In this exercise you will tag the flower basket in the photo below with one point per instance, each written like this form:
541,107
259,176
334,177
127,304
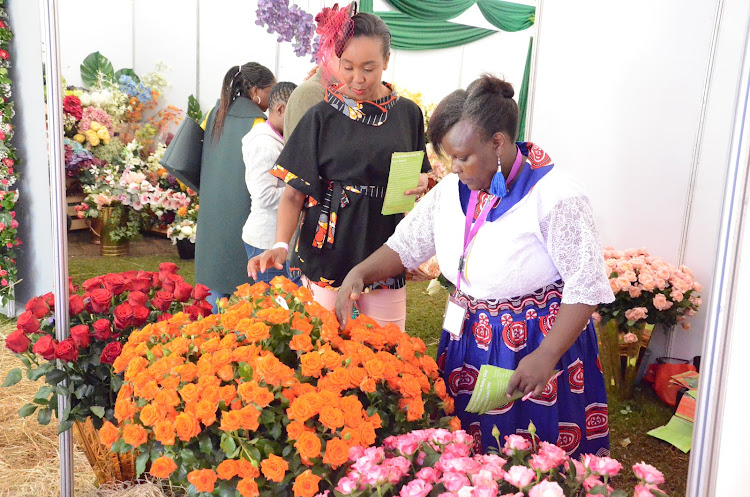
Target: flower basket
108,467
109,247
621,358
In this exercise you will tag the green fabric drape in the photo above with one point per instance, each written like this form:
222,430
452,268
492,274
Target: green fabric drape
523,95
506,15
365,6
408,33
432,10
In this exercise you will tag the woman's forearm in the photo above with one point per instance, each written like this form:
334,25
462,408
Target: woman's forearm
570,321
290,206
382,264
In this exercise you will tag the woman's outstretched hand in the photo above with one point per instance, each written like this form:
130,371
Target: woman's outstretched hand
421,186
348,293
270,258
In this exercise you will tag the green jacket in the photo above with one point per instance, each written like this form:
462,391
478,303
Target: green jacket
220,257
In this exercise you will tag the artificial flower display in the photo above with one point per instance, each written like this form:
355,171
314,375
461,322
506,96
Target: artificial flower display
269,396
103,313
9,241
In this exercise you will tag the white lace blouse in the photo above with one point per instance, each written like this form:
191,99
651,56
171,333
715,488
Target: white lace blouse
548,235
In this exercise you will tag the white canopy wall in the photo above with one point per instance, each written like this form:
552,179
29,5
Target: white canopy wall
619,98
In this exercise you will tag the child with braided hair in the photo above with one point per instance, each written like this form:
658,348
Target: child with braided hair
260,149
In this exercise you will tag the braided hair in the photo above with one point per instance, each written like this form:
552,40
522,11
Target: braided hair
238,82
280,93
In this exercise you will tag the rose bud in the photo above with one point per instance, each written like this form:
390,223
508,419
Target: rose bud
81,335
111,352
76,305
102,329
27,322
200,292
38,307
17,342
66,350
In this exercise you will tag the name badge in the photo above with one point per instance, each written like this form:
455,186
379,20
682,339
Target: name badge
455,315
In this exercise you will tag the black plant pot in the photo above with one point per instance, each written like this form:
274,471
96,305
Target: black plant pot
186,249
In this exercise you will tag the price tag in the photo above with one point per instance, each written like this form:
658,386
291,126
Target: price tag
282,302
455,315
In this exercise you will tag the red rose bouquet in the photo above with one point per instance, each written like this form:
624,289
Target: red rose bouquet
103,313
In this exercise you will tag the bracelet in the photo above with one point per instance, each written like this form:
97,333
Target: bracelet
283,245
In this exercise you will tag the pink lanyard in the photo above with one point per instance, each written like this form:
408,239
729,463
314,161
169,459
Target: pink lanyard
471,229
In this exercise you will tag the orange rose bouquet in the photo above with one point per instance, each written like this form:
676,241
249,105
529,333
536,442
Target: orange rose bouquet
267,397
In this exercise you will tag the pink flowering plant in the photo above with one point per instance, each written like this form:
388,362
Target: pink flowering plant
438,463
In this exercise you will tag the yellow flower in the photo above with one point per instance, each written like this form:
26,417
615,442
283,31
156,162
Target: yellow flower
79,138
92,137
95,126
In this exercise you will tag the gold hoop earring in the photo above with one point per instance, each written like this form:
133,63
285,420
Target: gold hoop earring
256,96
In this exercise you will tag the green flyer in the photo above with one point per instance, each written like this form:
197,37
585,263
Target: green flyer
403,176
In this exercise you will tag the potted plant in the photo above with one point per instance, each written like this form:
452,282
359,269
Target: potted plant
184,228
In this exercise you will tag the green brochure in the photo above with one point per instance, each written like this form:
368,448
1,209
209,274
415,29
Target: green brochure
489,391
678,432
404,175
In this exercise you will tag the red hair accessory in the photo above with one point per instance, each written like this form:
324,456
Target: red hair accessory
335,27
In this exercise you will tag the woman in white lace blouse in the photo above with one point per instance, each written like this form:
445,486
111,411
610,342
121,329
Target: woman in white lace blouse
517,237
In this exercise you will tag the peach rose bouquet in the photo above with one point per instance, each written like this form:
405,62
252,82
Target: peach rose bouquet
648,291
268,396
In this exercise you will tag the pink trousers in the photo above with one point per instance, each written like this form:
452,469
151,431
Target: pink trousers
382,305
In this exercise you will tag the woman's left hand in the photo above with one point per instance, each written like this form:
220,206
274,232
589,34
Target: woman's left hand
532,374
421,186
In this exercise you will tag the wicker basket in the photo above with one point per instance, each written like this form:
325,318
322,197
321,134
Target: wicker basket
108,466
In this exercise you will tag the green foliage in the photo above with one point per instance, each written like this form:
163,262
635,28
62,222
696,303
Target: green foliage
194,109
94,65
126,72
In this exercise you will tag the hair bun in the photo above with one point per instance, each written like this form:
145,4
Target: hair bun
506,89
489,84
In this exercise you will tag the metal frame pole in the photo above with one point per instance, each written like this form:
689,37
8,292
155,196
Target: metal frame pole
723,306
58,205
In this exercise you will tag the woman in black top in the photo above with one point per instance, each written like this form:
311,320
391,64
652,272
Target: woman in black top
336,166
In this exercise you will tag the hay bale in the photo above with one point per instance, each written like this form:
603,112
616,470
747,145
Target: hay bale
140,488
29,459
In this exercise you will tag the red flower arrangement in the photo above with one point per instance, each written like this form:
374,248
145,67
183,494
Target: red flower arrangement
103,313
72,106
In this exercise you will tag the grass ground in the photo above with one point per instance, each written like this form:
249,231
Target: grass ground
629,421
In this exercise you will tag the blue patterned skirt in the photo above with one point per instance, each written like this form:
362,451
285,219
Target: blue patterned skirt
572,410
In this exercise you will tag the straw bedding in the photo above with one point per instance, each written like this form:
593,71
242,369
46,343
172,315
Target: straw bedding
29,452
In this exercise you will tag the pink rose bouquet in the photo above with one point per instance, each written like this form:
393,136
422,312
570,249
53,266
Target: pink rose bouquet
436,462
